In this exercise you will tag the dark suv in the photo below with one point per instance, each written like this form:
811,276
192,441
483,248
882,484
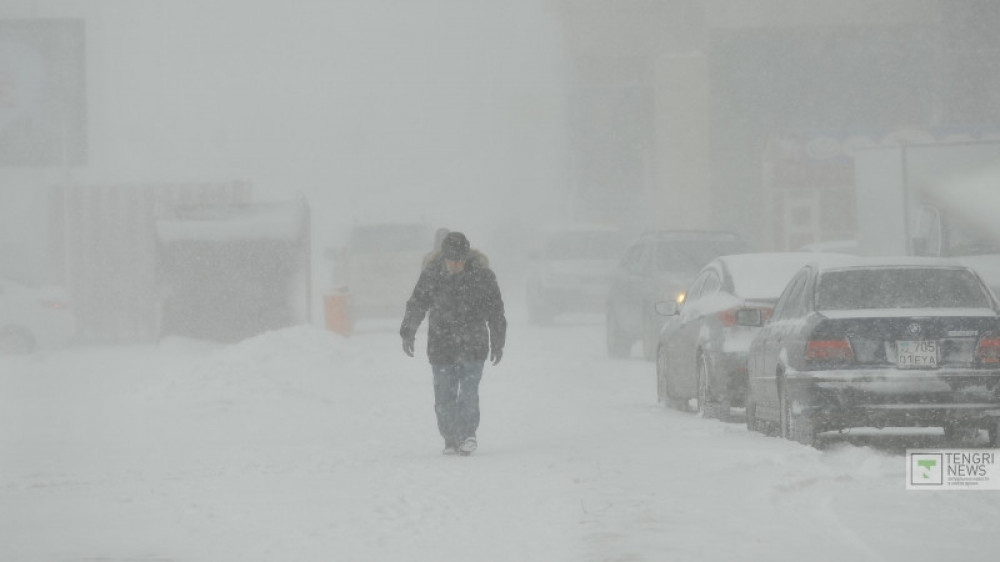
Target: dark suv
658,266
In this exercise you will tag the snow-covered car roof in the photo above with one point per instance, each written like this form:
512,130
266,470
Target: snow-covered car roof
764,275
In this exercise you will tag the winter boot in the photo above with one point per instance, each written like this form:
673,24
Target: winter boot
467,447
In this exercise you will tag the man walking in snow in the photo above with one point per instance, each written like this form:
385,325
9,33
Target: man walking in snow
466,323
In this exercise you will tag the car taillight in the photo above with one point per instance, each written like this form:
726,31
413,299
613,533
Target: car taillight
829,350
988,350
729,317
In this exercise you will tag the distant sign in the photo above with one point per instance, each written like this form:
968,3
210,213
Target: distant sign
42,102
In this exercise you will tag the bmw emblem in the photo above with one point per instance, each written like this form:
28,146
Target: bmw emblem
913,329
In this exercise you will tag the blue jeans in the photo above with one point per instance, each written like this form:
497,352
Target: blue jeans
456,399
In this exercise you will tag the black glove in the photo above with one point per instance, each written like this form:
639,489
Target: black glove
408,346
495,355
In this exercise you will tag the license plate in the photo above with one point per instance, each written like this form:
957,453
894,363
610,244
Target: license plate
917,354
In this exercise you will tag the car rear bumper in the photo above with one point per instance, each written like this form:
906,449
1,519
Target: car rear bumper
896,398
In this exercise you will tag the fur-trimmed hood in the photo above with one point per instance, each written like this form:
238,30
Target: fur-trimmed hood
476,260
465,310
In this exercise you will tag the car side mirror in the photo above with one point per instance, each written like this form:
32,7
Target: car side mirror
666,308
749,317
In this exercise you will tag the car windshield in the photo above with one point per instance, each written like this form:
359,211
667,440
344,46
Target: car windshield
391,238
584,245
900,288
692,255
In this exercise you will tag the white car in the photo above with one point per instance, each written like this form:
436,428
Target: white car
33,318
380,265
571,270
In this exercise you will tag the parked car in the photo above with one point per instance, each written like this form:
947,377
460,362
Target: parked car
702,350
379,266
914,342
656,267
34,317
571,270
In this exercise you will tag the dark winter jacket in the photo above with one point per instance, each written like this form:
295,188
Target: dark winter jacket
466,311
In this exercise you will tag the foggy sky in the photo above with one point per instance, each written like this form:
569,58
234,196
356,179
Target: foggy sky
383,110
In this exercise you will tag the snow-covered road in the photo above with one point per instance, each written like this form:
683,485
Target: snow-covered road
301,445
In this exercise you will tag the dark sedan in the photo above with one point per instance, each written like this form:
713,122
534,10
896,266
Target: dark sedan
656,267
702,349
910,343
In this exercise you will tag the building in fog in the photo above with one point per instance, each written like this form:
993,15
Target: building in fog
689,114
88,171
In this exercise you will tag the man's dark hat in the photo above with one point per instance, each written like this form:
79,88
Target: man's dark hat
455,246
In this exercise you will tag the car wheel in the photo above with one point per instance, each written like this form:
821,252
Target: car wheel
803,430
667,397
784,411
16,341
618,346
714,407
795,427
708,405
703,390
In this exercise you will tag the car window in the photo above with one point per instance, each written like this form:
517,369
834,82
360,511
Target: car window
786,302
583,246
692,255
695,289
798,303
712,284
912,287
